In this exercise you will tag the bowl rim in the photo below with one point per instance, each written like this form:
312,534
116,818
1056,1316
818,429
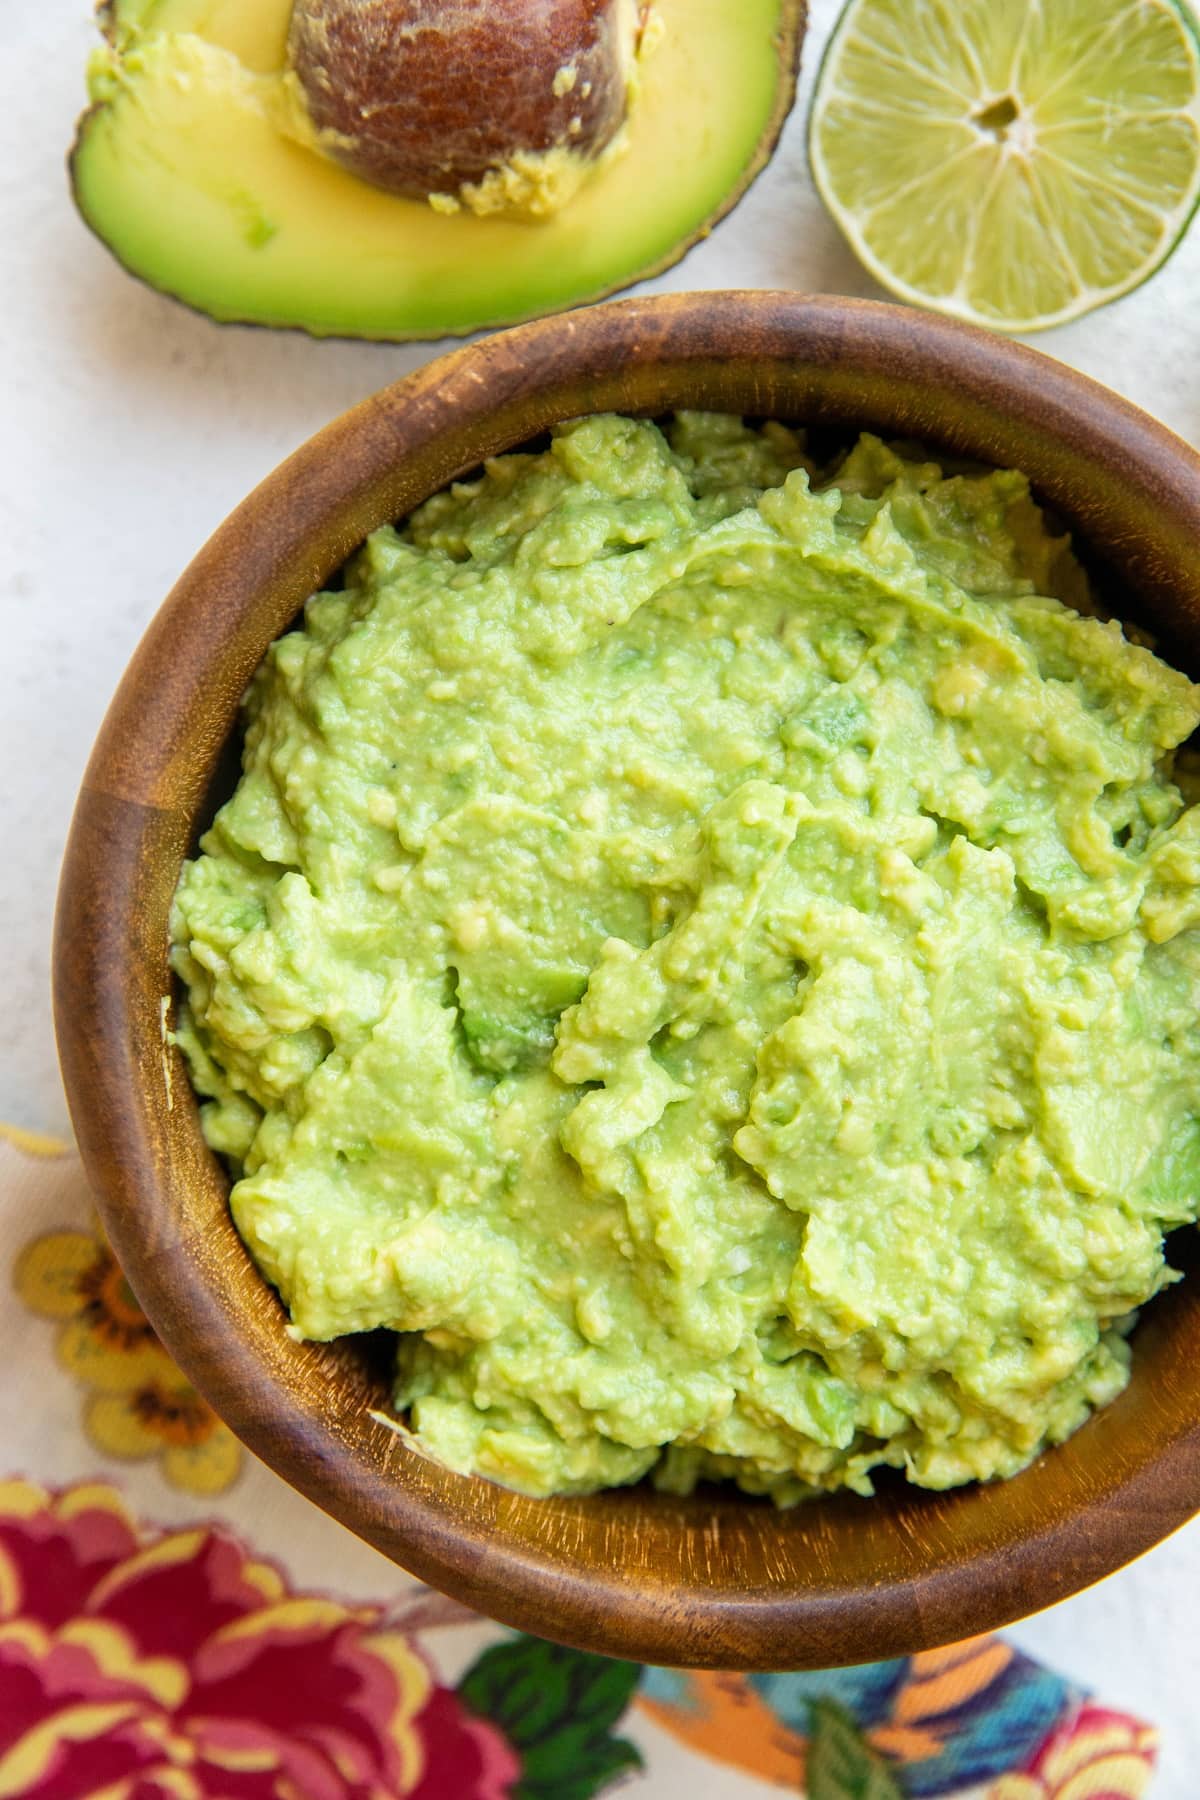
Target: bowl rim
149,770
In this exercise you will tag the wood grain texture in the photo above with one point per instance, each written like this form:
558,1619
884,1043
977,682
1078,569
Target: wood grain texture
714,1580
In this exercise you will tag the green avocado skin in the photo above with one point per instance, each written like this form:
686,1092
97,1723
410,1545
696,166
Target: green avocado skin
705,949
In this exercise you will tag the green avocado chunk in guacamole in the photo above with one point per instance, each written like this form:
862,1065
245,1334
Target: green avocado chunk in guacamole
705,949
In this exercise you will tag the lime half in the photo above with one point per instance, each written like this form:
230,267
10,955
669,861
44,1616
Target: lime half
1012,162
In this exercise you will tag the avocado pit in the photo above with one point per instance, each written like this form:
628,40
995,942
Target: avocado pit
501,105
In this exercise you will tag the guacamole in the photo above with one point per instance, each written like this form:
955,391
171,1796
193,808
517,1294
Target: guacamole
704,948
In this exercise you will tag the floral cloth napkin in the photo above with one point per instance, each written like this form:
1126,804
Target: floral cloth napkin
176,1624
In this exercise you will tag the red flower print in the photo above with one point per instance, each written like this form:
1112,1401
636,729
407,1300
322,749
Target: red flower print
463,1755
176,1667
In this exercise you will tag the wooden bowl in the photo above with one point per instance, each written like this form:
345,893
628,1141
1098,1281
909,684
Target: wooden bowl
715,1580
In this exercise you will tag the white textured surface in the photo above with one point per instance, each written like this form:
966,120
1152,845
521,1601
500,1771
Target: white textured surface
130,428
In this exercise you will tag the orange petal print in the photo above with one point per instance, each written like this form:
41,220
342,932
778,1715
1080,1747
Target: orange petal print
905,1743
938,1683
727,1721
942,1680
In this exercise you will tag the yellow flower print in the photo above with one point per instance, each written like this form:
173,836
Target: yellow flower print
1096,1755
139,1404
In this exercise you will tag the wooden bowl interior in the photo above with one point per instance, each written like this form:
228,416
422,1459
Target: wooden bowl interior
712,1580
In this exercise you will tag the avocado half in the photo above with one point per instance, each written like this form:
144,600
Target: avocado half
180,166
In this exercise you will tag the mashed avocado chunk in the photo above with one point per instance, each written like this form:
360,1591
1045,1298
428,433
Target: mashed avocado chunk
705,949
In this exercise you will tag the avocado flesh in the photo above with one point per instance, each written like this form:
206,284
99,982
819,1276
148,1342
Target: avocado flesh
183,166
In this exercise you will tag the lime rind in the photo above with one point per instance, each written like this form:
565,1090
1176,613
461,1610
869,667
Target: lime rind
1083,202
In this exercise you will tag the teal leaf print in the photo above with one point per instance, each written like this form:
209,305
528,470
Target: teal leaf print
841,1765
557,1708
